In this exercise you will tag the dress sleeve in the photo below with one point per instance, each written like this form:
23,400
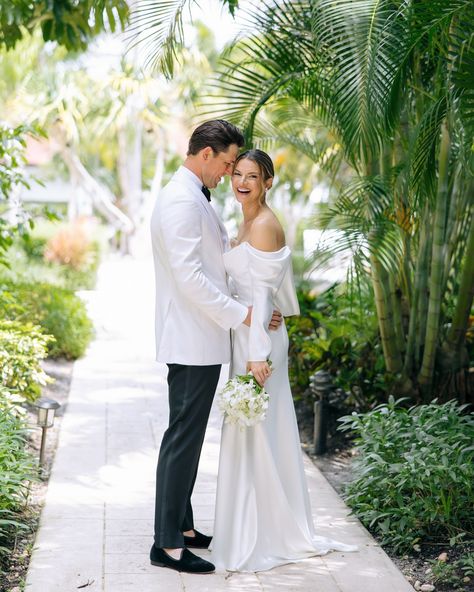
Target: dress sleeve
272,285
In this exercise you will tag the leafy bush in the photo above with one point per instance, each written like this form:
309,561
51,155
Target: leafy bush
22,347
12,161
453,572
69,246
414,475
58,311
338,333
66,255
33,246
17,468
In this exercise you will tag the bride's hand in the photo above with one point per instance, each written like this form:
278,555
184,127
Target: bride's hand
261,371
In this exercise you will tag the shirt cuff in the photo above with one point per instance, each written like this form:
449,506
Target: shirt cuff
242,316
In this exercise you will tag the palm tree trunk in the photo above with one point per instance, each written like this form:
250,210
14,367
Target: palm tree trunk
383,303
457,331
417,310
101,197
425,376
455,224
395,296
423,299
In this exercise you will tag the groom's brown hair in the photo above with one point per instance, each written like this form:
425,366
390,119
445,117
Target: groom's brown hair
218,134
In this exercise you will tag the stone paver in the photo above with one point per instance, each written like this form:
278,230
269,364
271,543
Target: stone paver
96,526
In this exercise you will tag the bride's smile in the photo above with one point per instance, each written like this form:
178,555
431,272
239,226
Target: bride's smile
247,182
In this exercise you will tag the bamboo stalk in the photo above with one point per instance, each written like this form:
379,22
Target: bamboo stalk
419,293
457,331
453,227
380,283
423,297
395,297
425,377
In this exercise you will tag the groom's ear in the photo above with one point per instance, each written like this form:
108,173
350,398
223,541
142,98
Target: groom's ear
206,152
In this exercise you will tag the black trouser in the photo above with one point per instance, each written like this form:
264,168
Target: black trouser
191,391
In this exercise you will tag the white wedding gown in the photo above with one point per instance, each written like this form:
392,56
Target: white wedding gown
263,514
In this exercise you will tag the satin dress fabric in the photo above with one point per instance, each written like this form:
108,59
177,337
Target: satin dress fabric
263,513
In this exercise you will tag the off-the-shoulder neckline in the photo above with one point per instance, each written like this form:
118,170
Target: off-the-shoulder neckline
285,247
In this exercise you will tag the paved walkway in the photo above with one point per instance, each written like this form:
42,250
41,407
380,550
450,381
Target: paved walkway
96,526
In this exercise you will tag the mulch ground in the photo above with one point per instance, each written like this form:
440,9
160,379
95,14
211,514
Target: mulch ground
14,566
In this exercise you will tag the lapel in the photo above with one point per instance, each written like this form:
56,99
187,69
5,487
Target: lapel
183,177
218,225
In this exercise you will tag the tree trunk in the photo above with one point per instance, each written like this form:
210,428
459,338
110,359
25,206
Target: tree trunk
426,373
101,197
417,312
129,167
457,332
381,286
395,296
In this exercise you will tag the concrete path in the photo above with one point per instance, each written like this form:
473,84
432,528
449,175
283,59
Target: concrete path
96,526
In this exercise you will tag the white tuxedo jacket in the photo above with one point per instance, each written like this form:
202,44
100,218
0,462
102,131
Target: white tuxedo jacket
194,312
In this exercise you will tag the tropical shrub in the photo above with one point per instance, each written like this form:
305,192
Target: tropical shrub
33,246
414,473
69,246
22,347
453,573
337,332
17,469
58,311
66,255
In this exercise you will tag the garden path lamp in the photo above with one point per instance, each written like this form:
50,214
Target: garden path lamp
46,411
321,386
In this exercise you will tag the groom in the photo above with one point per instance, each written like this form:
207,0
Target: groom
194,313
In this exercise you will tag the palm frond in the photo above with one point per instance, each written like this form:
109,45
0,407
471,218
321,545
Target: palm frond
156,31
336,58
364,213
423,177
461,58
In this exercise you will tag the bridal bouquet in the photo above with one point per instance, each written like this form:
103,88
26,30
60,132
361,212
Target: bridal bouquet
243,401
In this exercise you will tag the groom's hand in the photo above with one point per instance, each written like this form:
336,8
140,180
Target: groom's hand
248,318
276,321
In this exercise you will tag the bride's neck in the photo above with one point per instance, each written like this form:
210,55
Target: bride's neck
252,210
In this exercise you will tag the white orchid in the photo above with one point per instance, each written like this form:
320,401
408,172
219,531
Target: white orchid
243,401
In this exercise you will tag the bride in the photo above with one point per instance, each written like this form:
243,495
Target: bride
263,514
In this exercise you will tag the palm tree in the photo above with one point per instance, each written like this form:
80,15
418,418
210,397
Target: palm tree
393,83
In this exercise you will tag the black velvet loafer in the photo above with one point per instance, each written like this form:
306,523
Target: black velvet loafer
200,541
188,562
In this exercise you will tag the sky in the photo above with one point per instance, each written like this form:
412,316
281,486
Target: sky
107,49
217,18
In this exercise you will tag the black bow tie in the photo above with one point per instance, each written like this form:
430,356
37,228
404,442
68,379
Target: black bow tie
206,192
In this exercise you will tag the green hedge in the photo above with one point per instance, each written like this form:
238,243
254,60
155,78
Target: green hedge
58,311
414,473
22,347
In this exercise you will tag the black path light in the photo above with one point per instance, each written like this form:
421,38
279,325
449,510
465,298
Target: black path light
321,386
46,411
